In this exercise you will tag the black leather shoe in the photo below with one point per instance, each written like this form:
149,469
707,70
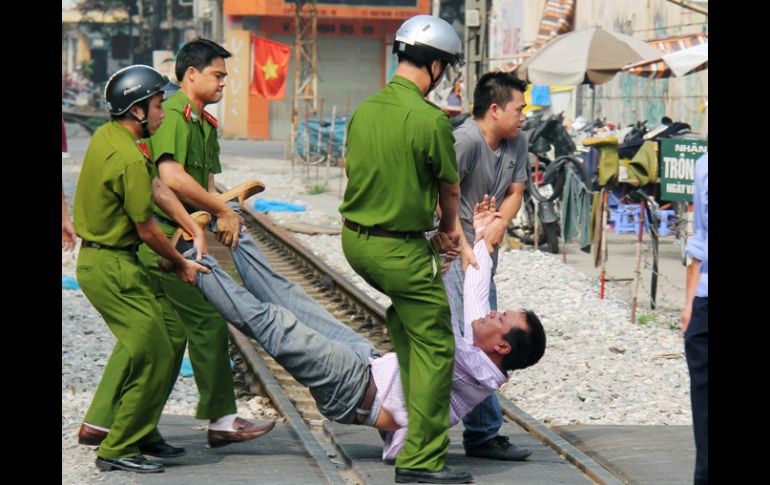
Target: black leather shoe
161,449
498,448
445,475
138,464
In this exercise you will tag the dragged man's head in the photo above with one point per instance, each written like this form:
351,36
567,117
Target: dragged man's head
514,339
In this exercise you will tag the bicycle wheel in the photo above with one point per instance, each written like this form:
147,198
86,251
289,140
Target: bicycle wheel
653,222
552,230
522,226
537,185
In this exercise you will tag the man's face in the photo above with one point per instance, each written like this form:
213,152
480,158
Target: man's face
210,82
511,118
156,114
488,331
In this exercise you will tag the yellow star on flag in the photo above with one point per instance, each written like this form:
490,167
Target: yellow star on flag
270,69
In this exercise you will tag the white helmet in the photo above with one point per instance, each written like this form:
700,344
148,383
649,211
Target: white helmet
425,38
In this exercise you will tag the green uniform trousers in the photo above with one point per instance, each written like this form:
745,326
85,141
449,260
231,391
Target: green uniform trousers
118,286
207,333
188,316
419,325
104,405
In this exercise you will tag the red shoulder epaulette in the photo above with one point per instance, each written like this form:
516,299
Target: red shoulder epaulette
210,118
144,149
187,111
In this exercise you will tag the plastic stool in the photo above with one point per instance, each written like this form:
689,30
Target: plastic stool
626,219
664,215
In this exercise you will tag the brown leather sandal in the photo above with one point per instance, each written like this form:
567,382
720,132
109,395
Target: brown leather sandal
242,191
201,218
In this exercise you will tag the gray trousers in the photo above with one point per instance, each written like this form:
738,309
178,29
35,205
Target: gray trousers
320,352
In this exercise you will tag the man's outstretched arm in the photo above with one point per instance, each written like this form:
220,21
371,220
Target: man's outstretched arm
476,285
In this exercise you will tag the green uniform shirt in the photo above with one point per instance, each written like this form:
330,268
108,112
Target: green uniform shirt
399,146
114,189
190,140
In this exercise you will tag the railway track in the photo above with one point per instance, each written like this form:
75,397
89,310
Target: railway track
354,308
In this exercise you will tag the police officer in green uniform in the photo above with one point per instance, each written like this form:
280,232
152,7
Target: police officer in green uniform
400,161
186,152
113,215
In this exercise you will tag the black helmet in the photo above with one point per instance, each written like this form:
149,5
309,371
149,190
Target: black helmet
130,85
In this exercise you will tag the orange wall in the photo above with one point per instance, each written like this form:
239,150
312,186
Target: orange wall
259,118
337,27
250,114
282,9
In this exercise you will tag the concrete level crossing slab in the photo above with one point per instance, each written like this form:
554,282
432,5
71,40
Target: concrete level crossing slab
641,455
276,458
363,447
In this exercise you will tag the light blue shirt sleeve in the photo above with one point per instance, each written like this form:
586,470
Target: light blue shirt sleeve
698,244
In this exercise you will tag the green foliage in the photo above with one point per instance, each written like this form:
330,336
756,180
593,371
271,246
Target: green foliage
87,68
316,189
645,319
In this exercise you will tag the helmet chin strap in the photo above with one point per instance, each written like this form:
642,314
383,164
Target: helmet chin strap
143,123
433,81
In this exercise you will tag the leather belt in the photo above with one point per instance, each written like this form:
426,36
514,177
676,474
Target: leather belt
89,244
376,231
362,411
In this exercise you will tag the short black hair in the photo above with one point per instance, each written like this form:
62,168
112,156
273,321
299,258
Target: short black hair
495,87
198,53
414,62
527,346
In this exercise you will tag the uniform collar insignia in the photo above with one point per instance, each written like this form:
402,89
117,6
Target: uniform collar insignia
210,119
144,149
187,111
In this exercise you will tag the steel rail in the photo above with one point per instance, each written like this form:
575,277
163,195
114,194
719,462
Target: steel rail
368,309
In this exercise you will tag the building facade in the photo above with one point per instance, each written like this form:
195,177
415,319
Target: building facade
354,60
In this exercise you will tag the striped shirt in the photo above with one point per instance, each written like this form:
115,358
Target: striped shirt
475,376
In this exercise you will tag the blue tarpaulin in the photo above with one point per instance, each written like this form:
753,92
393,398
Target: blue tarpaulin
69,283
186,369
541,95
325,128
264,205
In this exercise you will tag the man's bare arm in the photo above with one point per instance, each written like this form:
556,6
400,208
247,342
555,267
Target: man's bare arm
150,233
174,176
691,284
168,201
212,184
449,202
509,207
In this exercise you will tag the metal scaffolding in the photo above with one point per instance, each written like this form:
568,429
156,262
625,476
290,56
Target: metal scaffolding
305,66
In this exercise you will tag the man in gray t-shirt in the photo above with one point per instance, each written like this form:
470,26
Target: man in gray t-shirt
487,171
491,158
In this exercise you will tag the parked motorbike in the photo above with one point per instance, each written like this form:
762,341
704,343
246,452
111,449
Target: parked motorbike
545,182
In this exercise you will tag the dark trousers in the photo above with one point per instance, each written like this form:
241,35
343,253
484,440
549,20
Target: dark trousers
696,346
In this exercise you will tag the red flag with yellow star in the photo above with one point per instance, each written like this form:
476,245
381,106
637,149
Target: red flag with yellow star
271,63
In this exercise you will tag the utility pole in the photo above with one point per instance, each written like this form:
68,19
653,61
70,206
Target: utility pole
475,47
305,66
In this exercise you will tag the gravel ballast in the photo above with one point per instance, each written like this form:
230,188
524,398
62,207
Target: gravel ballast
598,368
